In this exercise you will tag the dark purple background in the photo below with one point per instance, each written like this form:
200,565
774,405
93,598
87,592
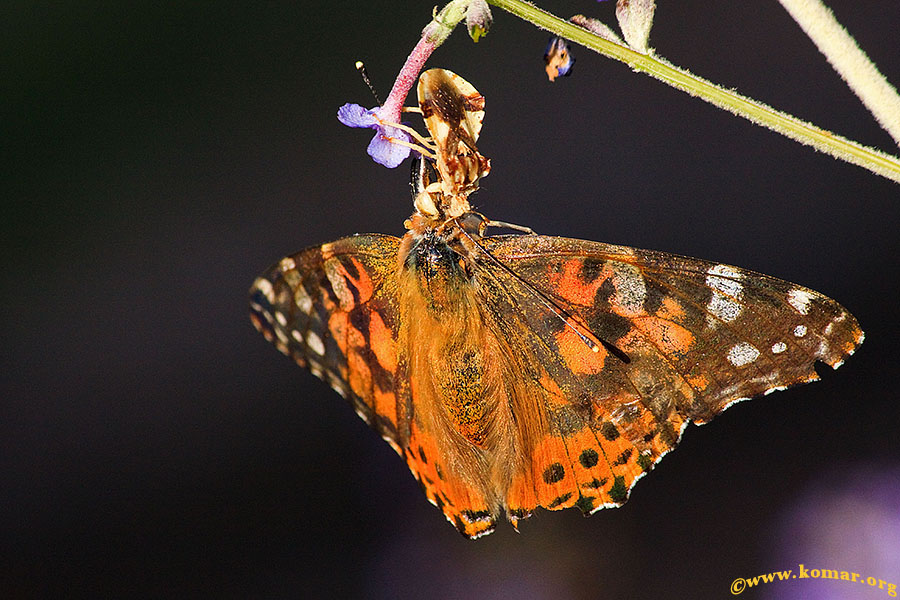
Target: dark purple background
155,157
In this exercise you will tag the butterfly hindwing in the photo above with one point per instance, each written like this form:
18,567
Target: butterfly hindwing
464,506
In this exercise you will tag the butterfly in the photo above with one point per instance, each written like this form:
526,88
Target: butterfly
519,371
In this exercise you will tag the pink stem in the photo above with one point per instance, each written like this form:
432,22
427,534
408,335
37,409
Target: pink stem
391,109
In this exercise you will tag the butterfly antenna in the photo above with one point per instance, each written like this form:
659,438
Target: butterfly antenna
365,75
591,340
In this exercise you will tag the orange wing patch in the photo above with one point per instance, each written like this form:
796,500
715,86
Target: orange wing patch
577,355
591,468
668,336
383,344
463,506
545,482
573,282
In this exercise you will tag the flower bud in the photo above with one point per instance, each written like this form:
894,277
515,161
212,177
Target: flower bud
635,20
478,19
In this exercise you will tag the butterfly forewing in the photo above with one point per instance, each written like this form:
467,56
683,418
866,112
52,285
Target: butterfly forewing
332,308
729,333
695,337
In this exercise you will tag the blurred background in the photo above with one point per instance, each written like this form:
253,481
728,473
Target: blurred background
156,156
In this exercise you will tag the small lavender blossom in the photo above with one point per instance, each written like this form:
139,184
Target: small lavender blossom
382,148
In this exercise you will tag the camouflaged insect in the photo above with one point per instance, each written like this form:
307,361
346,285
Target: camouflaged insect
518,371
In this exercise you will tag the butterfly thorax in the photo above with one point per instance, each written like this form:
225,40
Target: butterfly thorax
440,254
441,274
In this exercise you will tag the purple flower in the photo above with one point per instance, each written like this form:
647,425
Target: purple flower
382,148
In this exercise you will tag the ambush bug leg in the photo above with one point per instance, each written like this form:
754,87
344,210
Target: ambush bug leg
427,145
512,226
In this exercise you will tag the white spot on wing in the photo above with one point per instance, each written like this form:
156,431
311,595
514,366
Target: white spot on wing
778,347
338,284
631,289
287,264
360,413
723,307
799,299
282,320
823,351
316,369
742,354
265,286
800,330
302,299
390,441
727,291
723,278
314,342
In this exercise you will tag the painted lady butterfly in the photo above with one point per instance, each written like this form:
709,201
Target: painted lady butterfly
517,371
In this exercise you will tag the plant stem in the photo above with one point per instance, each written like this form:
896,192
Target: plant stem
848,59
847,150
407,77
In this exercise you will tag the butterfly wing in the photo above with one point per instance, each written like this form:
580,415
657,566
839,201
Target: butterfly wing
335,309
683,339
332,309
